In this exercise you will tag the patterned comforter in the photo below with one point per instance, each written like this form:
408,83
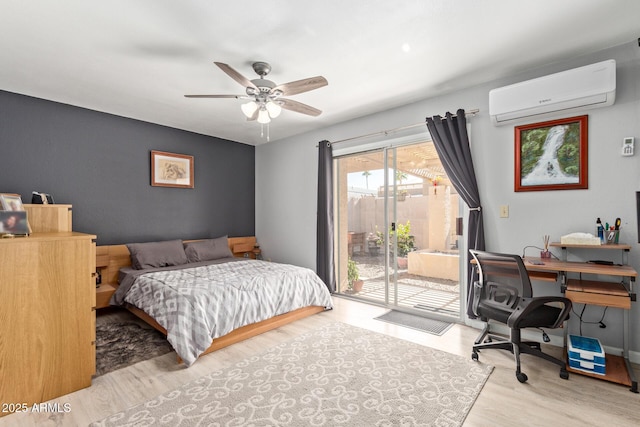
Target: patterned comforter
198,304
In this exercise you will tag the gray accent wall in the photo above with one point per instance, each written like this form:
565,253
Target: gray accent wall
100,163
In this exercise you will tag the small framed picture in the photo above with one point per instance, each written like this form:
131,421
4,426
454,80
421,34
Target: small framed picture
13,217
14,223
11,202
171,170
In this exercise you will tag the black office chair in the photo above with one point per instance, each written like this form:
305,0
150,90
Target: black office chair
503,294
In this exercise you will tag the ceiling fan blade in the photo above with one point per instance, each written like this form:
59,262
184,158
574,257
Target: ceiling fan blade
215,96
300,86
236,75
298,107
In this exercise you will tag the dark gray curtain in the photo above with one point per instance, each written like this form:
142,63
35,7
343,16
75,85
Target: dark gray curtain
324,253
452,144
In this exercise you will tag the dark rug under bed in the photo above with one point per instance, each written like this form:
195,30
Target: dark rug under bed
432,326
122,343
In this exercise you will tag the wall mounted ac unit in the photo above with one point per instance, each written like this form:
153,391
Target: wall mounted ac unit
581,88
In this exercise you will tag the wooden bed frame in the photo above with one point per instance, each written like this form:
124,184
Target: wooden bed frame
111,258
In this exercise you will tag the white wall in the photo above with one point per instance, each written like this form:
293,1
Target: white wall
286,176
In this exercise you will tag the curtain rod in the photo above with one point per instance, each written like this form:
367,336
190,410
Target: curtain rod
469,113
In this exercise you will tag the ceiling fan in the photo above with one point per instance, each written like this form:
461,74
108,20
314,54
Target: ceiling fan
265,97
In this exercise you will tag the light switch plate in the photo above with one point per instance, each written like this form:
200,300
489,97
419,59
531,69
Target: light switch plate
627,146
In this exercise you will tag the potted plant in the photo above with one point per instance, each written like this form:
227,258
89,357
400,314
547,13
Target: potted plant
379,237
405,241
353,277
373,243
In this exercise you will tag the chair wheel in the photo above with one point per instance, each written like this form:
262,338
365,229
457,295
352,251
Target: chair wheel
474,356
522,377
564,374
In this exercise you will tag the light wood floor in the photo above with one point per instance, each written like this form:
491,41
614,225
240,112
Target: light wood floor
545,400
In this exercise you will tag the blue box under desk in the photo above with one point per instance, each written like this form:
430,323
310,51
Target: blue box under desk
586,354
583,365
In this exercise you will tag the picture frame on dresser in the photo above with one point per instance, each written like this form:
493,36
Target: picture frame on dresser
171,170
11,202
11,223
14,223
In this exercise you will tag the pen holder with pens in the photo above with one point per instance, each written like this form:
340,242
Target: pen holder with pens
608,237
611,237
545,254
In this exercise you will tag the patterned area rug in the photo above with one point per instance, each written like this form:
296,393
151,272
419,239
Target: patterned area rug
336,375
124,342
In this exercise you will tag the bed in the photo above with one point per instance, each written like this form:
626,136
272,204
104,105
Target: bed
207,294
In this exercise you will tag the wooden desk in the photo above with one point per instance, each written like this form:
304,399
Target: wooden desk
553,269
558,266
617,294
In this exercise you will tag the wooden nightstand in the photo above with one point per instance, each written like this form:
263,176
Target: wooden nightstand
104,290
103,294
243,247
257,252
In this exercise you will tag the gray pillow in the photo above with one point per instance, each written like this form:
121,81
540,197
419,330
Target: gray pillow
208,250
157,254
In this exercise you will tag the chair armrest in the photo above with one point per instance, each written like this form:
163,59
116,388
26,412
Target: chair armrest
532,304
476,292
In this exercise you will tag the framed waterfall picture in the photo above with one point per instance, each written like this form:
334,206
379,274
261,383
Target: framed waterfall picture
551,155
171,170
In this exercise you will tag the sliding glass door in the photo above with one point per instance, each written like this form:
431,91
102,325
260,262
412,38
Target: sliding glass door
396,239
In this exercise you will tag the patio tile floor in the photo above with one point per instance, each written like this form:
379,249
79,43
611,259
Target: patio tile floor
439,296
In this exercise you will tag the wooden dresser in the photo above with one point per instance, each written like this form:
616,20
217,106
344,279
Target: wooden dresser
47,312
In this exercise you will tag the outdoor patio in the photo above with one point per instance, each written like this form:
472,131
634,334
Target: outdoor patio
419,205
437,296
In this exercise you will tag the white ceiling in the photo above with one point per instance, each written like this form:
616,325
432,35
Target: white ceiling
137,58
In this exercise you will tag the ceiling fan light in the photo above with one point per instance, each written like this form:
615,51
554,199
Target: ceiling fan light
249,108
263,116
273,109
